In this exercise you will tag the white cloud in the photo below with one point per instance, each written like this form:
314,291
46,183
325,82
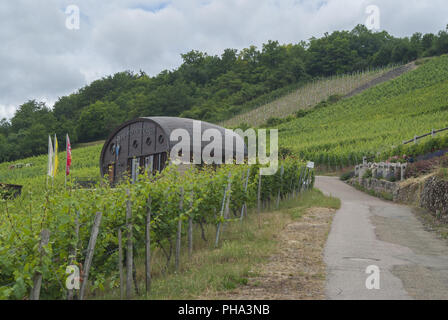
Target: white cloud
7,111
42,59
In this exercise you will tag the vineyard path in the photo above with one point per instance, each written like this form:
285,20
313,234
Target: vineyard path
366,231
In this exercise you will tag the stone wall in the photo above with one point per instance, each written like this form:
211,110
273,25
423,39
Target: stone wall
434,196
430,193
377,185
409,193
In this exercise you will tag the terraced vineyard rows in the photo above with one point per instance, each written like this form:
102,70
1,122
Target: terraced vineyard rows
377,119
305,97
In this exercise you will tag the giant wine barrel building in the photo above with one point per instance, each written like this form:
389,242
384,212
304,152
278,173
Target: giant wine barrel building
143,145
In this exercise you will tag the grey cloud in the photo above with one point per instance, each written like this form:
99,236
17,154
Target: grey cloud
41,59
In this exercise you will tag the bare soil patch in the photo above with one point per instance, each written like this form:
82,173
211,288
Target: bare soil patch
296,270
383,78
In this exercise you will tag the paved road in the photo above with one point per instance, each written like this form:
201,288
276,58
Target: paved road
366,231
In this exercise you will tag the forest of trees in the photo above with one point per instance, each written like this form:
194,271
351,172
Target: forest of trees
205,87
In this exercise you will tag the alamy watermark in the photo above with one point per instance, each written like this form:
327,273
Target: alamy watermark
207,147
72,21
373,280
73,281
373,21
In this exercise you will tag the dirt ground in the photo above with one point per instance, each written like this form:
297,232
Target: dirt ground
297,270
394,73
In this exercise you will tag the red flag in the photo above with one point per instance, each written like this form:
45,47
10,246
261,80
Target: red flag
69,157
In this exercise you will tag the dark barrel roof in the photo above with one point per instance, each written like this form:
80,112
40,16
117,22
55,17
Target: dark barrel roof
169,124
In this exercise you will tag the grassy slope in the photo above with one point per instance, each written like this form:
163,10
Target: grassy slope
376,119
85,164
86,155
304,97
342,133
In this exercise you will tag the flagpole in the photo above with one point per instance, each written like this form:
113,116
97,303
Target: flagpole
50,161
56,161
66,155
68,159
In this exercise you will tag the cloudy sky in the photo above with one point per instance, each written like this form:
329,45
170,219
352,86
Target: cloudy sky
44,55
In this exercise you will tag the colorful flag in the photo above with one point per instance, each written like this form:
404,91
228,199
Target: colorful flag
56,159
50,157
69,156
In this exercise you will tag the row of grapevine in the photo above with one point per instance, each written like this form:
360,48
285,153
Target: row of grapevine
69,217
403,152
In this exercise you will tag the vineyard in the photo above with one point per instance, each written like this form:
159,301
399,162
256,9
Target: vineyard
305,97
374,121
403,152
104,230
99,229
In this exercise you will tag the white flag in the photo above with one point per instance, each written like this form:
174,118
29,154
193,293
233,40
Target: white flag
50,157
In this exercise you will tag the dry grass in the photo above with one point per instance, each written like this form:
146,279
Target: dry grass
417,180
296,270
304,97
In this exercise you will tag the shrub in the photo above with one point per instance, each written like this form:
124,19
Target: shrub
334,98
419,168
273,121
301,113
444,161
392,178
367,174
284,152
347,175
321,105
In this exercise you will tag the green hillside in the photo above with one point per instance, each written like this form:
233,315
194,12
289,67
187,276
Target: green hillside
207,87
305,97
335,135
85,165
383,116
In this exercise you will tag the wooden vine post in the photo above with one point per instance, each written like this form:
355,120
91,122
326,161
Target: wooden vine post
291,189
148,248
244,206
37,279
259,192
301,178
280,189
190,228
306,179
227,207
73,252
223,207
90,252
218,229
129,247
120,263
179,229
